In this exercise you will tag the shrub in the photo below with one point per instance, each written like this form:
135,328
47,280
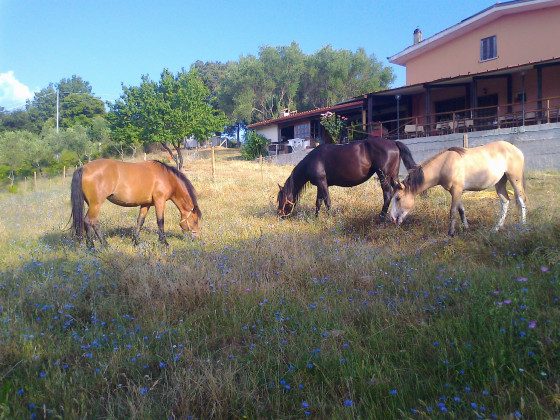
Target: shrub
254,145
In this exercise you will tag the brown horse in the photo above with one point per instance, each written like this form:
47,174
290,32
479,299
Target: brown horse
458,169
143,184
345,165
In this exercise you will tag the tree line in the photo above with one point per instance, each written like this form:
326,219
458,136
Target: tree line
207,99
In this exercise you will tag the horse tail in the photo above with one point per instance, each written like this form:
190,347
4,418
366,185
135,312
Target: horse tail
77,198
406,156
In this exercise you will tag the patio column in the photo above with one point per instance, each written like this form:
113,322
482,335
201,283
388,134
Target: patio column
523,97
428,105
369,113
539,87
474,101
398,98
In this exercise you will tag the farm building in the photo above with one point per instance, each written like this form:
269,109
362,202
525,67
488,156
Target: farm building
498,69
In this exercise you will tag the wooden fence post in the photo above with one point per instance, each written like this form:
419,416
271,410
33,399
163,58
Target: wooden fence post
465,140
262,174
35,180
25,184
213,164
63,174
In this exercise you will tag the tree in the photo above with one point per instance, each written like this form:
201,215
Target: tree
76,140
14,150
80,109
212,74
77,105
99,132
260,88
333,76
166,112
18,120
124,118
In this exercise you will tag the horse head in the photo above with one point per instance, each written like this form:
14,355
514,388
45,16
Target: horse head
285,200
189,221
403,201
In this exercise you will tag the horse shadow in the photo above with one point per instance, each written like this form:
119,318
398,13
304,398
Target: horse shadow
62,239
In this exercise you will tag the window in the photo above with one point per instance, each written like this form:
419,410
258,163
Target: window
488,48
303,131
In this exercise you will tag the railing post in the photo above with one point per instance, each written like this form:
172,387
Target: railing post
466,141
453,122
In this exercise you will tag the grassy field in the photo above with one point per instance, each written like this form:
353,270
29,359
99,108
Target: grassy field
341,316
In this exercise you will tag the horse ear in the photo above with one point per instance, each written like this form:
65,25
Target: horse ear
396,184
280,186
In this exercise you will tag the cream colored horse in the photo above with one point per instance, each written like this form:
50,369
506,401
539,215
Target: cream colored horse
458,169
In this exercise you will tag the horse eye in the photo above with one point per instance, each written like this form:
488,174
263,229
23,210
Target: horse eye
398,198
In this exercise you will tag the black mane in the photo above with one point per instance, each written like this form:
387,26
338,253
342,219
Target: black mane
186,182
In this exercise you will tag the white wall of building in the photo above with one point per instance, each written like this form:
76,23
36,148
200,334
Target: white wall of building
271,132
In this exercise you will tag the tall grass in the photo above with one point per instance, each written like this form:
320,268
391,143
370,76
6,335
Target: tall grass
339,316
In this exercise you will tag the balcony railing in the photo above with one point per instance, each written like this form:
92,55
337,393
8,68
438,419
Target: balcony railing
543,111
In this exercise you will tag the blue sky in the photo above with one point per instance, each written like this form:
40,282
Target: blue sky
111,42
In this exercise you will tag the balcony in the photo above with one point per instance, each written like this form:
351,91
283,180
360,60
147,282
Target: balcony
543,111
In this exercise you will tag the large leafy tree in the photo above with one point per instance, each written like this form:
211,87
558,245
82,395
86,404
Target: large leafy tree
80,109
166,112
260,88
17,150
333,76
77,104
18,120
212,74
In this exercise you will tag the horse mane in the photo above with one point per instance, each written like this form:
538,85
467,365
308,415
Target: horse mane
185,180
415,179
461,150
289,186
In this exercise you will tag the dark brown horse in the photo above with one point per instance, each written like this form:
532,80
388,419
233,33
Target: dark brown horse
345,165
143,184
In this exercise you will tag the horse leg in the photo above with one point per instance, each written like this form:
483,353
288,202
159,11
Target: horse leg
90,233
387,193
455,205
520,197
160,206
501,190
139,223
92,223
461,209
322,195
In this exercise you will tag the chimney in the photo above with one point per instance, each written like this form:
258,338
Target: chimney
417,36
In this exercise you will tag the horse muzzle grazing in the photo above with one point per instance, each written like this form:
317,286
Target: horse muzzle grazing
286,209
396,214
189,223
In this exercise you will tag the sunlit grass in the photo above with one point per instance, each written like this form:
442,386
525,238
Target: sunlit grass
339,316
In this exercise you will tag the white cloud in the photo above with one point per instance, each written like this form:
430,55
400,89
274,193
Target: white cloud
13,93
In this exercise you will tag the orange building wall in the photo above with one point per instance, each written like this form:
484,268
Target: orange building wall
521,38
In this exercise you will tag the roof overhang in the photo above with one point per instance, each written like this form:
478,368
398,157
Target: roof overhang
463,79
468,25
346,106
